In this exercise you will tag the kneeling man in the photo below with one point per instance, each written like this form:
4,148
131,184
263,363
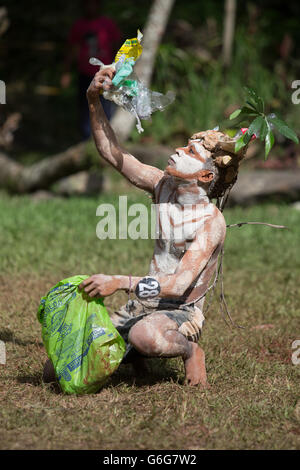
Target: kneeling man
165,319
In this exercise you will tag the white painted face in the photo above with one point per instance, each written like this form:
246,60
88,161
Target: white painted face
188,160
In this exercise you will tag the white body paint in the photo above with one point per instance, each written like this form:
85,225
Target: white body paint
178,225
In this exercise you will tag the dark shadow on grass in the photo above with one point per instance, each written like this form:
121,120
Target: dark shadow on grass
33,379
158,371
37,381
8,336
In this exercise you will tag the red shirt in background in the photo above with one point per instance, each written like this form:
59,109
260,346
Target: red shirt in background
94,38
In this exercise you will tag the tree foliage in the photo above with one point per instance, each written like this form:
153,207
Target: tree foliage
261,125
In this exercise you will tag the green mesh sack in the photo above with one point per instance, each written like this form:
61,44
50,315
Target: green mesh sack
80,339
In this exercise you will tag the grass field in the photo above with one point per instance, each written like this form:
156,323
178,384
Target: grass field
253,401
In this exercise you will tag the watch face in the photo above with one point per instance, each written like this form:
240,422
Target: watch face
148,287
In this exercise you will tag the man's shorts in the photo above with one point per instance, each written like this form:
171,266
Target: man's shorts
189,318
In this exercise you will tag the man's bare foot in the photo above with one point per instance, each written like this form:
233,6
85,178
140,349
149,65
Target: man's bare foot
195,372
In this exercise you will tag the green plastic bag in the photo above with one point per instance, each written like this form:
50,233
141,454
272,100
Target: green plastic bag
80,339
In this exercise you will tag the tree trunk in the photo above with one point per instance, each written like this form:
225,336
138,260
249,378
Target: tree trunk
123,121
20,179
256,186
228,33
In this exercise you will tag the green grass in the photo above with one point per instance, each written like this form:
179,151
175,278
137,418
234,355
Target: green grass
253,401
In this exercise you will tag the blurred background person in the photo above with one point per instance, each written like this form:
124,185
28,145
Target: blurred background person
92,35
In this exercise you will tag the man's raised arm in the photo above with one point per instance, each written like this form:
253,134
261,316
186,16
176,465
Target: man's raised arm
143,176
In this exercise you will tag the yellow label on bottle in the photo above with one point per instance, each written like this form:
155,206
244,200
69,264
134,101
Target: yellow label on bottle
131,48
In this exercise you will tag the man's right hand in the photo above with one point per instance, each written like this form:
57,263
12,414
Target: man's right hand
101,81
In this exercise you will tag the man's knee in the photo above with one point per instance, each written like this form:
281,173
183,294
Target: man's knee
148,336
143,337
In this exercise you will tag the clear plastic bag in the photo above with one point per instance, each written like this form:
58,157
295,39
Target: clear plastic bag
128,91
136,98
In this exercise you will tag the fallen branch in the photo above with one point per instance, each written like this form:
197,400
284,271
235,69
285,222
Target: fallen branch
256,223
18,178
